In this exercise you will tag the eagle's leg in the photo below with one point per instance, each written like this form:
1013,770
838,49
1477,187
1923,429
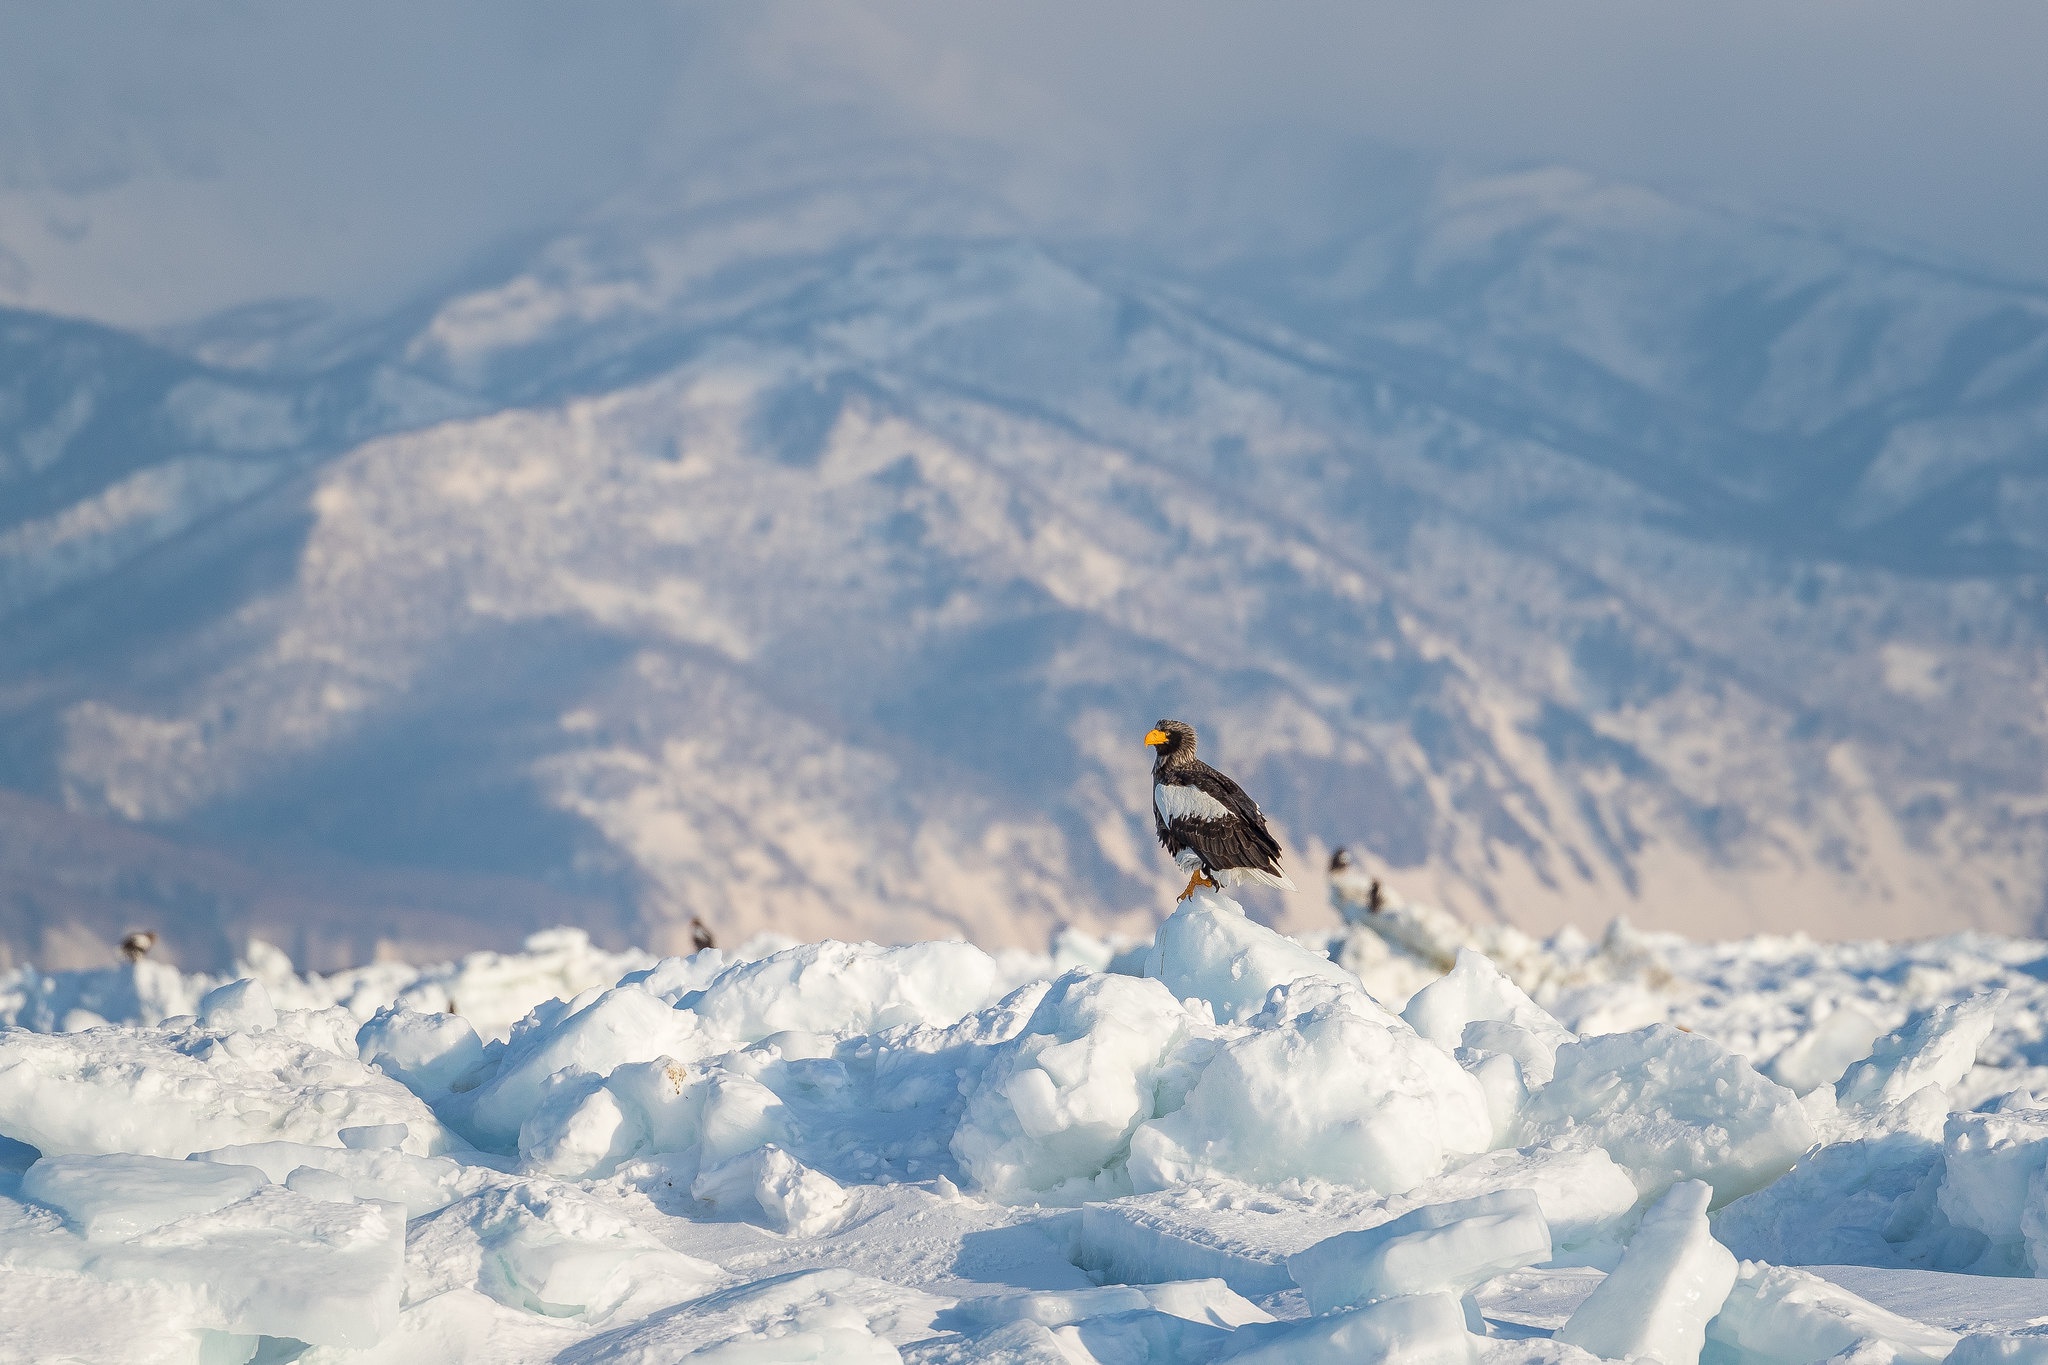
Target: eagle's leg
1199,878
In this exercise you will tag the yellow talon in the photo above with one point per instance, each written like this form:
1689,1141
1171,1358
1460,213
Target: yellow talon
1200,878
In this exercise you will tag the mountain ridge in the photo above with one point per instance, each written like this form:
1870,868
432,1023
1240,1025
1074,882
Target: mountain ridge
946,503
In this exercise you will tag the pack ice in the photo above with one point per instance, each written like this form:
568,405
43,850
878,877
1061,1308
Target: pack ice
1235,1146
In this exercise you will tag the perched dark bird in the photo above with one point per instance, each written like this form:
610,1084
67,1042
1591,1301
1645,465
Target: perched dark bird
136,946
1363,898
700,935
1353,887
1214,831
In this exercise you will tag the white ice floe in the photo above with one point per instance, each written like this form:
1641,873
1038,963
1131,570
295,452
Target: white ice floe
1205,1301
359,1170
122,1195
1671,1106
2001,1348
427,1053
1669,1285
595,1034
789,1196
846,1152
1937,1050
1427,1329
1245,1234
1820,1055
1777,1314
1587,1201
825,988
183,1088
1052,1113
1475,1006
493,990
549,1249
1993,1170
1323,1085
1437,1249
242,1255
833,1316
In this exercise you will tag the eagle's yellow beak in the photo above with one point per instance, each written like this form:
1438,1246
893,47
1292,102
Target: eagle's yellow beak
1155,737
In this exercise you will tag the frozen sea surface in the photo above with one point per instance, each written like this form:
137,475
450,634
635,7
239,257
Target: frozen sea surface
1225,1144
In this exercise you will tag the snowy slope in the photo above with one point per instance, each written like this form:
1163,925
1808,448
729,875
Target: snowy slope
816,549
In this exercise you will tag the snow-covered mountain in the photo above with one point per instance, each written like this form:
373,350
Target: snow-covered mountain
811,555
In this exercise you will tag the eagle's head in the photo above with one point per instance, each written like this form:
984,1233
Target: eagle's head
1172,739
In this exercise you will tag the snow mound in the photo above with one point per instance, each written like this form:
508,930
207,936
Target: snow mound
1324,1085
1475,1006
177,1090
427,1053
1671,1106
833,988
1052,1114
790,1196
595,1034
1209,950
847,1152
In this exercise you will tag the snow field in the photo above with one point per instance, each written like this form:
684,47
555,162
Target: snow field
845,1152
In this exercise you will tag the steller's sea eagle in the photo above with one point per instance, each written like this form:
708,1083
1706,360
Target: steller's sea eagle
1214,831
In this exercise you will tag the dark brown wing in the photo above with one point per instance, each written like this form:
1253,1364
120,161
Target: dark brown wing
1228,843
1207,779
1237,839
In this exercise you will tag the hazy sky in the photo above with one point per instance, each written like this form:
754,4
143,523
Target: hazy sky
159,162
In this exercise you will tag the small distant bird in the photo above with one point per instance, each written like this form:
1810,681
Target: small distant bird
1424,932
1355,890
136,946
700,934
1214,831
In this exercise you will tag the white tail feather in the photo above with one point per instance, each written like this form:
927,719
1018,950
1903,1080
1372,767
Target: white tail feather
1238,876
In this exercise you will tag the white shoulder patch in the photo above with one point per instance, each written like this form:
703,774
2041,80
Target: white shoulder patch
1187,803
